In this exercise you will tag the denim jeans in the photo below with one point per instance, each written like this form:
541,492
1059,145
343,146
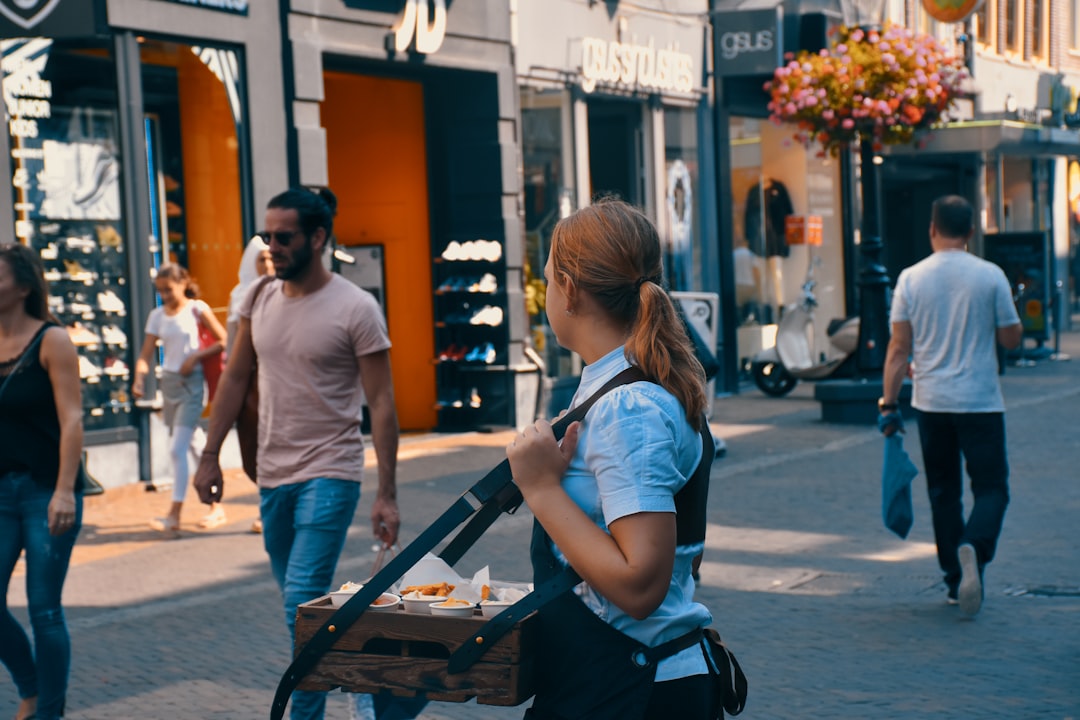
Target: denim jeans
980,439
304,529
24,525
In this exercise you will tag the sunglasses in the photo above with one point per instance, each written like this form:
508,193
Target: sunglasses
282,237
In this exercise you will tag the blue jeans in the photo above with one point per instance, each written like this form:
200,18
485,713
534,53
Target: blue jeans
980,439
304,529
24,525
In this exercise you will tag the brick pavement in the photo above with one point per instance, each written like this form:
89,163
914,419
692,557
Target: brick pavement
830,614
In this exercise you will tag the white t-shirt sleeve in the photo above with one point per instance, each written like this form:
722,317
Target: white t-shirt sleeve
1004,307
153,322
899,309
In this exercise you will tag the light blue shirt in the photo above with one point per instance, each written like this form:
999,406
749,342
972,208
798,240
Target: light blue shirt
635,451
955,303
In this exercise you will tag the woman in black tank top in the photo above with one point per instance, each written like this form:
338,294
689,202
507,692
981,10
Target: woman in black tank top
40,505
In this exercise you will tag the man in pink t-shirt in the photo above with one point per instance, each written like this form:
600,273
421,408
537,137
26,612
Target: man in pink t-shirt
322,349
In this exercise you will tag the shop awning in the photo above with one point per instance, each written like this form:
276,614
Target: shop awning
994,136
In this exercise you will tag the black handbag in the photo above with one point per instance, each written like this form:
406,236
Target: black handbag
730,682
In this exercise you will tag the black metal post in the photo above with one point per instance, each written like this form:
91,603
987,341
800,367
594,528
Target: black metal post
873,278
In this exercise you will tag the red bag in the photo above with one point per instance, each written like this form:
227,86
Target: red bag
212,365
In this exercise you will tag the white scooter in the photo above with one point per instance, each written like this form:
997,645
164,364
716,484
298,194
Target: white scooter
777,370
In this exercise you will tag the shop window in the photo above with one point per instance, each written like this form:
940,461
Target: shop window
775,184
548,198
1039,29
1013,17
61,103
985,31
682,207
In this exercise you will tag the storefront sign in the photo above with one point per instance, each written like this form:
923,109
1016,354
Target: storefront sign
749,42
416,23
48,18
635,66
236,7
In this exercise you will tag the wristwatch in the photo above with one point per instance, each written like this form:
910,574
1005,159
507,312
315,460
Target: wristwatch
883,406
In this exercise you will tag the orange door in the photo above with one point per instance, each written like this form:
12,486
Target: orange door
377,160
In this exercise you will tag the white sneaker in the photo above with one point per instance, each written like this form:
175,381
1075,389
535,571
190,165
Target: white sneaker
113,335
491,250
81,242
87,369
970,594
110,303
452,251
487,315
115,367
487,284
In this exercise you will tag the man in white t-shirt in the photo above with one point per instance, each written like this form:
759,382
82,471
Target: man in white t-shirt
321,346
949,313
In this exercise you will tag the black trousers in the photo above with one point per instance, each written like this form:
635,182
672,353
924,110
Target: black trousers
980,439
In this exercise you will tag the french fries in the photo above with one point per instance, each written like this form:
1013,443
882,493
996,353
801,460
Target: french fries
442,589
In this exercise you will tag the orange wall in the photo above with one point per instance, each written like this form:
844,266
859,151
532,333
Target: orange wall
211,181
376,147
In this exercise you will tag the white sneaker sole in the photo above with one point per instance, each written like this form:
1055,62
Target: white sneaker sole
970,593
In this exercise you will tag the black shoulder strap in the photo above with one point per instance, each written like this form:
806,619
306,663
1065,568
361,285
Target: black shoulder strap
492,494
690,518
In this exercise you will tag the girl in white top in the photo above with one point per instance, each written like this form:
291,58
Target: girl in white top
176,325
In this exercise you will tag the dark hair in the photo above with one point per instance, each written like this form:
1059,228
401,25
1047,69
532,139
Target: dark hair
953,216
29,275
315,208
612,251
179,274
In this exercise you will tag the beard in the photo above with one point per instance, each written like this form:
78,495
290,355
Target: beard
301,260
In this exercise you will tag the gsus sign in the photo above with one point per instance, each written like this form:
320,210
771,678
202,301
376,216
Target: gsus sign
416,23
749,42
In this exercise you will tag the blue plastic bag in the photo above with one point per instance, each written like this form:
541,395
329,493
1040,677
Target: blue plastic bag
897,472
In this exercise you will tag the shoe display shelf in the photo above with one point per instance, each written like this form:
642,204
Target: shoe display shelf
471,335
86,269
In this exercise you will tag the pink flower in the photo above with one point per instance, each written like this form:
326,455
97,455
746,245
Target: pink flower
828,114
847,124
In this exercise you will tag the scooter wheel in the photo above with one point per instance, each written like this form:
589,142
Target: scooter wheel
772,379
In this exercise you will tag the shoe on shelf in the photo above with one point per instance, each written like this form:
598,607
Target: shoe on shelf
165,525
110,303
108,237
113,335
77,272
216,518
87,369
81,335
970,593
486,284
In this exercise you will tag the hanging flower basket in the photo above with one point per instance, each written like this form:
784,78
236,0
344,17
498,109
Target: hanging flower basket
886,85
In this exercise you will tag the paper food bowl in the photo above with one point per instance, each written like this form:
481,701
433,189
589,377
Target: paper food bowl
491,608
455,610
420,605
387,602
342,595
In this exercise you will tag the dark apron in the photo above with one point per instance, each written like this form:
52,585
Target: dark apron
584,668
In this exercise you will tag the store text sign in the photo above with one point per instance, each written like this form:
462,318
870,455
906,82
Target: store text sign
748,42
633,65
416,23
236,7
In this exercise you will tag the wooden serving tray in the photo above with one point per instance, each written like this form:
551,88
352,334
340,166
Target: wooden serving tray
407,654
